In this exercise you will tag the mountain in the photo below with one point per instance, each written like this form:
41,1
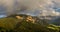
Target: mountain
25,23
33,19
56,21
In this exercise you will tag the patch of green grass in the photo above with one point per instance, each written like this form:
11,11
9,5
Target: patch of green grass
8,23
11,24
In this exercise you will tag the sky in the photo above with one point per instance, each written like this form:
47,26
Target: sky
32,7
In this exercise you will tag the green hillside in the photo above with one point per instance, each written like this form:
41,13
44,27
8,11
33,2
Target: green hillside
12,24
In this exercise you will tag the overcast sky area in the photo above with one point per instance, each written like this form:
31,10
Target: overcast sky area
32,7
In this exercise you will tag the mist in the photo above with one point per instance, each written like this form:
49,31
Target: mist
32,7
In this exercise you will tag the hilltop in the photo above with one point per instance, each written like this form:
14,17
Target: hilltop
25,23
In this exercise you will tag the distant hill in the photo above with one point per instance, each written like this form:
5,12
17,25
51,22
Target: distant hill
56,21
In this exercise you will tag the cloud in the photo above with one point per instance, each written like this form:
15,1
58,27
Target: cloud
32,7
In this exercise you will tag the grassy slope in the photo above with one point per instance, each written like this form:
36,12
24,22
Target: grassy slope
11,23
8,22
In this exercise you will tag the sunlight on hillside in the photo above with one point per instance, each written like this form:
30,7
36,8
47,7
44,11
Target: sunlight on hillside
20,24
